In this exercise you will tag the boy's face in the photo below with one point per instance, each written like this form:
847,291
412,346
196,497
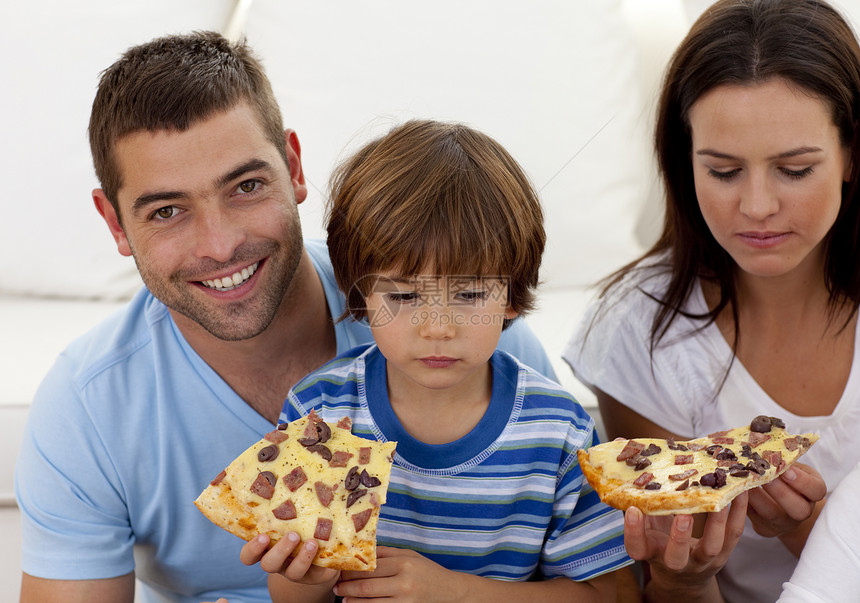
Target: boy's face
210,216
437,332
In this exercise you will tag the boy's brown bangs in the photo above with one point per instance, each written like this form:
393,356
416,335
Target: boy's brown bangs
445,233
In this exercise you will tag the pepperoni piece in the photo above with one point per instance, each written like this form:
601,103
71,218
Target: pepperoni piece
295,478
359,520
717,434
774,457
339,458
364,455
630,449
756,438
642,480
683,459
723,440
264,485
218,478
677,477
325,493
323,529
345,423
278,436
286,510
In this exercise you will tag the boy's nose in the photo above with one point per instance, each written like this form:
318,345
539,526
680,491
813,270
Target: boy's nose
437,323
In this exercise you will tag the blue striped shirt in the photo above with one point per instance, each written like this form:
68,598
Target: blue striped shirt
506,501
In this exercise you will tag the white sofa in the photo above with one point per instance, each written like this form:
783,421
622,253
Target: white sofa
568,87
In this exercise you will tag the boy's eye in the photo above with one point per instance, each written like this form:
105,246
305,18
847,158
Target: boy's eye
471,297
409,297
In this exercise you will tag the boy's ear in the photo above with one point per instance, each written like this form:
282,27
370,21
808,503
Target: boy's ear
108,213
510,313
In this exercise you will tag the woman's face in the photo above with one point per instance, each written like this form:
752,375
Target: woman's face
768,167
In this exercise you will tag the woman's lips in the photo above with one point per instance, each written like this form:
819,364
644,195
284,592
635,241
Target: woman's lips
763,240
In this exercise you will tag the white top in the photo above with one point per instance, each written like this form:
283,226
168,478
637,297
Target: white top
829,569
679,389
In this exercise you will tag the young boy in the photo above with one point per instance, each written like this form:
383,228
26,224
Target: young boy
436,237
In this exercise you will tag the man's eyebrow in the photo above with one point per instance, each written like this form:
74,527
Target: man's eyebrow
161,196
250,166
786,155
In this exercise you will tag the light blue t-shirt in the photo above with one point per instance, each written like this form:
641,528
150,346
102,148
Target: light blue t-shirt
126,430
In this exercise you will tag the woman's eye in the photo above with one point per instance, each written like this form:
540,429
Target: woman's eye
723,175
797,174
249,186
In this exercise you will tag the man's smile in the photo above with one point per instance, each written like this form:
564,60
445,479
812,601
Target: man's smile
231,282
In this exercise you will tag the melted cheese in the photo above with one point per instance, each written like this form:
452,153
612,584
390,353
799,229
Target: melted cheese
663,463
244,471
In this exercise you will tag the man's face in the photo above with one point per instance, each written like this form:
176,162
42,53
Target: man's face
210,216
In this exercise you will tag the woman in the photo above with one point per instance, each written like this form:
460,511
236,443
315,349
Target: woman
747,303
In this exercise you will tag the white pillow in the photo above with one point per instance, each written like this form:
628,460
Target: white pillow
555,82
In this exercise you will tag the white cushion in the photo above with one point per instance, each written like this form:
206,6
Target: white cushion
552,81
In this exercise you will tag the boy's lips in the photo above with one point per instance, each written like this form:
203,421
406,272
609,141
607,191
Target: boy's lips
438,361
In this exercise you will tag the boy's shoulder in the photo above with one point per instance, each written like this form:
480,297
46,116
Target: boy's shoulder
542,395
341,370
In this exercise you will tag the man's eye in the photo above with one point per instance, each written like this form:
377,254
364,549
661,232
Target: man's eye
165,213
249,186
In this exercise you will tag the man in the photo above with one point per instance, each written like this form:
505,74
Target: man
200,184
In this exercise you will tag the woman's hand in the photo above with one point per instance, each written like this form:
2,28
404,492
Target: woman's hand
680,563
788,506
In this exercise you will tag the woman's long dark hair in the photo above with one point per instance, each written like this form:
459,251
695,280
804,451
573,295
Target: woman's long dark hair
744,42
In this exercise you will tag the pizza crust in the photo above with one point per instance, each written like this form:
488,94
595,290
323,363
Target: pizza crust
613,480
244,513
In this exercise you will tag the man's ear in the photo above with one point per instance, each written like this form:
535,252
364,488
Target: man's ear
108,213
294,158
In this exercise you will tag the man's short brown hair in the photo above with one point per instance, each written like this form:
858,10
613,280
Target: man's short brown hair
439,197
172,83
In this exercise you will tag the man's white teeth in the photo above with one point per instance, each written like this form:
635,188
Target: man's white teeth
233,281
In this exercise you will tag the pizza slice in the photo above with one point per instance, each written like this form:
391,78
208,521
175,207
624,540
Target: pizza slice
661,477
310,477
